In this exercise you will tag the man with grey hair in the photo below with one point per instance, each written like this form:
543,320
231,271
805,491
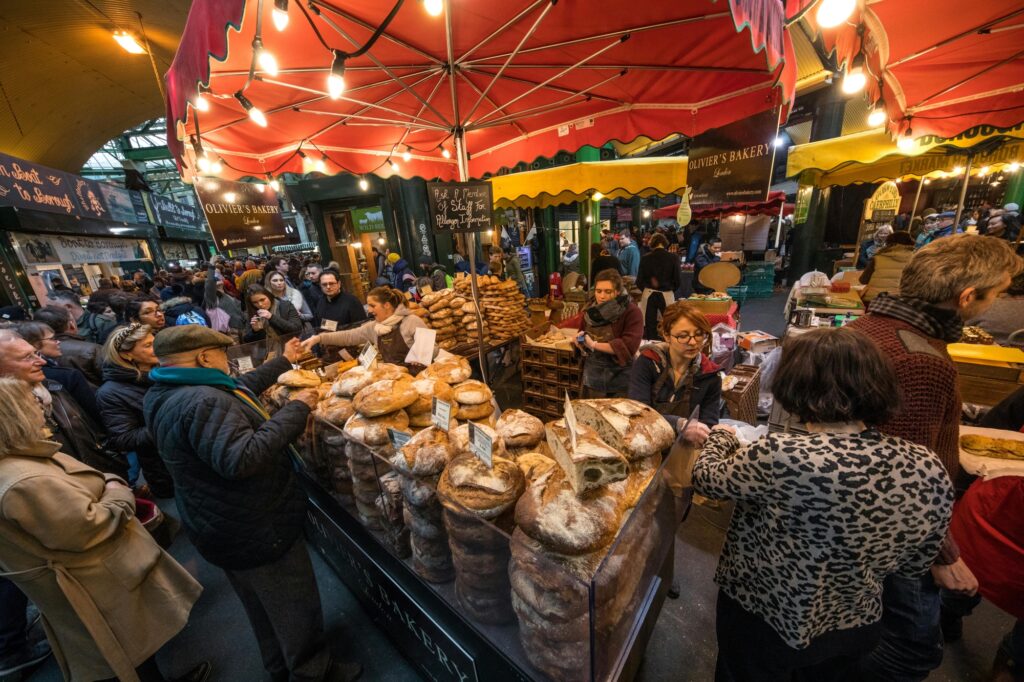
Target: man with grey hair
946,282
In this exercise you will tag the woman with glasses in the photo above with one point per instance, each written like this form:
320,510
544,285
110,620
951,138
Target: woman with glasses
47,347
268,316
676,376
147,312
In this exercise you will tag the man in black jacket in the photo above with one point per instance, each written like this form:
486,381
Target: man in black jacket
336,309
658,278
76,353
237,492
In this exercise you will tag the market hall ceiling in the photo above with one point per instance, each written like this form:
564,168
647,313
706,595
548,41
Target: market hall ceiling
66,87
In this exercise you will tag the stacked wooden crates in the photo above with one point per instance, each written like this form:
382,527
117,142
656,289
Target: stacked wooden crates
759,279
547,374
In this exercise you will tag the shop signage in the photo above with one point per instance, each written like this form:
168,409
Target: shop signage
733,163
178,250
39,249
883,204
10,281
803,203
441,413
243,215
170,213
124,206
460,206
623,214
367,220
481,444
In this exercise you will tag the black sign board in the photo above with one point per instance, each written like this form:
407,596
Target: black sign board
460,206
244,215
170,213
733,163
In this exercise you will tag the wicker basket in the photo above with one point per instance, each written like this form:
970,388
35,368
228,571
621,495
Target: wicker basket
742,398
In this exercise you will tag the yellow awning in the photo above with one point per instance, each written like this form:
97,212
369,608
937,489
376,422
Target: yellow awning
872,156
576,182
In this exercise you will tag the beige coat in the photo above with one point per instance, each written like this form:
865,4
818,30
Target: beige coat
109,596
889,265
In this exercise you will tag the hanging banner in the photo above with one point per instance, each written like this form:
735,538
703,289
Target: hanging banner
170,213
733,163
243,215
41,249
460,206
883,204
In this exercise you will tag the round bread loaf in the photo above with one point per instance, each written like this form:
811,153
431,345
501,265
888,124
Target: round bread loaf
299,378
425,454
468,485
451,370
519,429
435,296
420,420
534,465
428,388
334,410
551,513
351,382
634,429
459,438
385,396
374,430
472,392
474,412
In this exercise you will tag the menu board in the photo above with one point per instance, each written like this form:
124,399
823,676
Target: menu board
460,206
733,163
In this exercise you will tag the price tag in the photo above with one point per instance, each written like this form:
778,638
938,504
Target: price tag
480,443
426,289
244,364
398,438
368,356
441,414
570,420
330,325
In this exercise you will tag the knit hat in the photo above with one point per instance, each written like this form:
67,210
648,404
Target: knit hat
1011,207
393,258
182,338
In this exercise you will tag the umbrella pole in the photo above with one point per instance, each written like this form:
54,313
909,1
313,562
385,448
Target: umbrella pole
463,161
778,229
963,192
917,197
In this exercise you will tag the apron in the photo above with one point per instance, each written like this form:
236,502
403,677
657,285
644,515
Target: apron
600,371
652,304
393,349
678,470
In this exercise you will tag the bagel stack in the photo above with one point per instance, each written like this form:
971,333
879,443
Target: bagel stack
504,308
479,508
444,314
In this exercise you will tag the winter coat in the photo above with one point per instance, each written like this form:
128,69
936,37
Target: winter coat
235,488
229,304
82,355
886,269
312,294
630,259
706,391
343,310
293,296
659,270
95,328
402,276
108,595
77,387
80,435
120,400
284,320
605,263
182,305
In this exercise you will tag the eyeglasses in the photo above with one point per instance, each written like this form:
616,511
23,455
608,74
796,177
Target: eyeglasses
325,285
685,337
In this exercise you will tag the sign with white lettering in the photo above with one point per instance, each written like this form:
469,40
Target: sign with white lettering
441,414
460,206
170,213
733,163
369,354
243,214
481,444
39,249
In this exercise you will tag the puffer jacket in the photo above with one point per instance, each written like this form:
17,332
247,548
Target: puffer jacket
120,403
235,487
180,305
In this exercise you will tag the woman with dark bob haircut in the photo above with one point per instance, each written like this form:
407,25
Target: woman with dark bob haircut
822,517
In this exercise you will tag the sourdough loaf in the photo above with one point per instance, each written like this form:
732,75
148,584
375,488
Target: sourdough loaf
592,463
631,427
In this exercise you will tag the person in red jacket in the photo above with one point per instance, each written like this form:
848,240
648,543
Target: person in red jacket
610,330
946,282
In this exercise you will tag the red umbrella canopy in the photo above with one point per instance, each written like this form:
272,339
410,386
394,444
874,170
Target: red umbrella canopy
772,206
512,80
940,66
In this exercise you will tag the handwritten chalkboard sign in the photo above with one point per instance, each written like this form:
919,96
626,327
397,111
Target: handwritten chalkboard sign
460,206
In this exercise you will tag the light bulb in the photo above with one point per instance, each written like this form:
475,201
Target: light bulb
381,241
267,61
364,184
275,184
127,41
778,141
490,233
983,172
590,218
216,167
407,155
957,170
204,164
201,103
897,180
280,14
258,117
854,80
394,167
230,197
445,153
434,7
905,143
336,80
598,196
926,181
831,13
647,213
1014,167
877,117
321,165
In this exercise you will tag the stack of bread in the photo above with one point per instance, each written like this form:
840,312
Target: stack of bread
419,464
329,419
502,305
479,505
442,311
522,433
473,402
568,519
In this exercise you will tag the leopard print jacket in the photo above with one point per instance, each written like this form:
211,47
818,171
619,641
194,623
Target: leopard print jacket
820,521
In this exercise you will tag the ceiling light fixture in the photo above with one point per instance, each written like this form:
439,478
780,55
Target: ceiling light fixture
393,165
831,13
321,164
597,196
336,80
407,154
854,80
255,114
280,14
364,184
382,241
127,41
434,7
445,153
877,116
264,57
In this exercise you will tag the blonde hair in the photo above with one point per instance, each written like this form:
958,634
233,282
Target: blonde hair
945,268
21,417
123,340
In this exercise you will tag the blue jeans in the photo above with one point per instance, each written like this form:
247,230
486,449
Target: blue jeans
13,625
911,643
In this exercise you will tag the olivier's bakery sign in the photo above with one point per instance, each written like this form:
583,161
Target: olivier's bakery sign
733,163
243,215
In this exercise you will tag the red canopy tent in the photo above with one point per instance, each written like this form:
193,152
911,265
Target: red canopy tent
484,86
776,202
941,67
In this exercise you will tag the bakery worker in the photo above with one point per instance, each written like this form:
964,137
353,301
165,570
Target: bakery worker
236,489
391,329
609,333
658,278
336,308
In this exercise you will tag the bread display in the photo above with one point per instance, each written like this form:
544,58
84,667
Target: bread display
389,506
552,513
354,380
374,430
592,463
459,438
453,370
502,306
633,428
367,467
519,429
334,409
474,412
472,392
299,378
479,508
385,396
534,465
428,388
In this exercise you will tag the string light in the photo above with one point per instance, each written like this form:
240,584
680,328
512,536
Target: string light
336,80
321,164
127,41
255,114
905,143
274,183
957,170
854,80
1014,167
590,219
831,13
201,103
364,184
382,241
393,165
598,196
877,116
280,14
927,181
264,57
434,7
445,153
983,172
647,213
407,154
230,197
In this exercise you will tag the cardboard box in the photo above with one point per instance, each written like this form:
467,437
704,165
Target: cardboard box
758,341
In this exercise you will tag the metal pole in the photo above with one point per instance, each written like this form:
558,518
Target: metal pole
463,160
778,231
963,192
917,197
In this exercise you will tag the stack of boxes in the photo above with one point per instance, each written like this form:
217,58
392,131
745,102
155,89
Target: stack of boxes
759,279
548,373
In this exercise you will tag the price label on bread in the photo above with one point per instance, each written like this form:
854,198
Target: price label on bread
481,444
368,356
244,364
441,414
398,438
570,421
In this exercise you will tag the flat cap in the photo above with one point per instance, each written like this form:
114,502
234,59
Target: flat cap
182,338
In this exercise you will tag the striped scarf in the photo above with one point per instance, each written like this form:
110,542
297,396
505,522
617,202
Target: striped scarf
932,321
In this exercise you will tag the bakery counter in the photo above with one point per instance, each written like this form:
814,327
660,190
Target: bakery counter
468,568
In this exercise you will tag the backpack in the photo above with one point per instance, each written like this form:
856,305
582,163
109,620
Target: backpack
190,317
219,320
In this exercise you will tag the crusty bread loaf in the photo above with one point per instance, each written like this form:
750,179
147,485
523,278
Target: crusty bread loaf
519,429
474,412
552,513
428,388
641,472
592,464
385,396
435,296
631,427
460,440
374,430
425,454
468,485
352,381
472,392
453,370
299,378
534,465
334,410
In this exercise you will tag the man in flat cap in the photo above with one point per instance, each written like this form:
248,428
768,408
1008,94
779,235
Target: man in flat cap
237,492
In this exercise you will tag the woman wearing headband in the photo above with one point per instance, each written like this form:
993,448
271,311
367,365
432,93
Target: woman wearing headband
128,357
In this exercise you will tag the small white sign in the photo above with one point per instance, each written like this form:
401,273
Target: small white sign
570,420
398,438
244,364
481,444
422,350
330,325
368,356
441,414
